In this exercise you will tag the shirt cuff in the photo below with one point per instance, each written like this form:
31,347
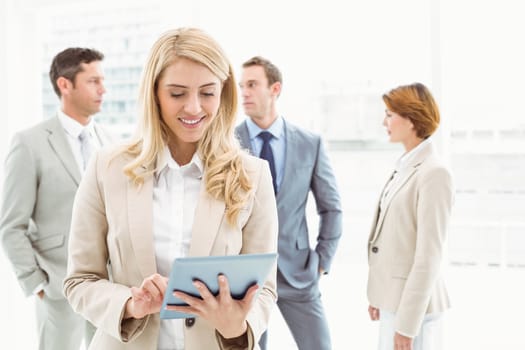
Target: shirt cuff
242,342
404,335
39,288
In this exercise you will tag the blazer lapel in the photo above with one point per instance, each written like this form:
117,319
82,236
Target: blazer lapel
140,204
103,137
209,215
244,137
395,188
404,176
58,142
290,160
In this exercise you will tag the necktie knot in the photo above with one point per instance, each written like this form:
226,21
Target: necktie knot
82,136
265,136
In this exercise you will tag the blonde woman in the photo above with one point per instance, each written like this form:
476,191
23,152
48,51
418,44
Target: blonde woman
182,187
405,251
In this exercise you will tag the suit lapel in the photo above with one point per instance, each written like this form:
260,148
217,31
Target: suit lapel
58,142
290,160
291,144
373,232
393,191
103,137
140,204
404,176
244,137
209,215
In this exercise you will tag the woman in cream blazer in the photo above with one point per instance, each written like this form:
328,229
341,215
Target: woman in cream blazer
405,248
121,211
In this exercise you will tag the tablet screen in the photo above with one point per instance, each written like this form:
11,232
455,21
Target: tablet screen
242,271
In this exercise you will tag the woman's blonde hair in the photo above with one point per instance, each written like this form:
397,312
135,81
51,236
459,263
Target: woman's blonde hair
225,177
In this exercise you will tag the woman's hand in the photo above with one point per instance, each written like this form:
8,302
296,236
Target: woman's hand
402,343
147,299
373,312
227,315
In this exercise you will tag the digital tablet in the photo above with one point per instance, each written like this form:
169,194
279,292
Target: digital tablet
242,271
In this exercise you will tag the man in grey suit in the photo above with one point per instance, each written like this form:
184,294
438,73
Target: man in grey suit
42,172
299,164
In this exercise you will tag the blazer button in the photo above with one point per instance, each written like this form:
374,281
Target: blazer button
190,322
375,249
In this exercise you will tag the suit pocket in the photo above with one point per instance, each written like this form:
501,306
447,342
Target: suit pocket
55,241
401,271
302,242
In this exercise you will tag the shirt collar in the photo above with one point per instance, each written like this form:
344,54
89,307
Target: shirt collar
72,127
276,129
405,158
166,161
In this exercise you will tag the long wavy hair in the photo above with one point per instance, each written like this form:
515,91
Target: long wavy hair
225,177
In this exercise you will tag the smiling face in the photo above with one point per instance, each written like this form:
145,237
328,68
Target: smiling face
189,96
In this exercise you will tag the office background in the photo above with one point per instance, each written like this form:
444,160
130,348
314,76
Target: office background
337,58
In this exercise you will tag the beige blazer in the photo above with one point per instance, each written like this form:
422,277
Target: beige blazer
111,249
405,249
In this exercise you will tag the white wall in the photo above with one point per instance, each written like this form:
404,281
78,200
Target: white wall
21,99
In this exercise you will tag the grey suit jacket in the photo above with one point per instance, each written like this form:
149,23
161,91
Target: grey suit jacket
307,168
41,179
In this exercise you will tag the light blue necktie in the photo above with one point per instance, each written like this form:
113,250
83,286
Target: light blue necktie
86,147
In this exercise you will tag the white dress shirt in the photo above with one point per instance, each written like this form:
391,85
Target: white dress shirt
73,130
175,196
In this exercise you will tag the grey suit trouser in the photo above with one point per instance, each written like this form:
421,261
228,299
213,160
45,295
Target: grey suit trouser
58,326
304,314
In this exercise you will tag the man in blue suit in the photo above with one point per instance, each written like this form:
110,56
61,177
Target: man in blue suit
299,164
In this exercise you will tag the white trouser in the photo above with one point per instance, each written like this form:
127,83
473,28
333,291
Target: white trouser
430,336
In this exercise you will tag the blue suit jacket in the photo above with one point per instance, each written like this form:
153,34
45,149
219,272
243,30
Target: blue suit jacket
306,169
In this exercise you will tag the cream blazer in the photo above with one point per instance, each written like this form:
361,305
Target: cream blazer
405,247
111,249
41,179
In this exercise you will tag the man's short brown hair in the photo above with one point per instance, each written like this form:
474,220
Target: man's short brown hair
67,64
